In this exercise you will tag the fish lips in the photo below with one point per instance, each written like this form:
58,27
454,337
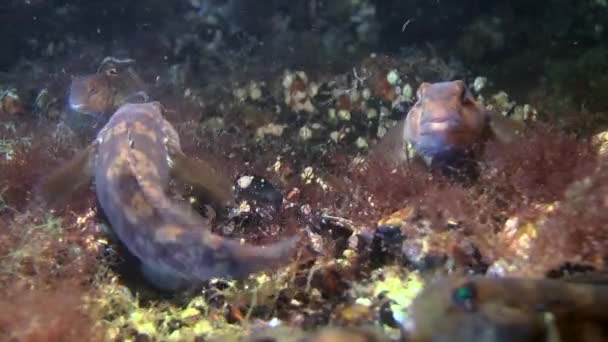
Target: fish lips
76,106
443,125
79,107
433,135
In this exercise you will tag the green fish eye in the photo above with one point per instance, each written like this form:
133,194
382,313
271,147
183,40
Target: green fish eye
464,296
464,293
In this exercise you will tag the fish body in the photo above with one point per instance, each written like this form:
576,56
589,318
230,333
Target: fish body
507,309
115,83
445,125
132,160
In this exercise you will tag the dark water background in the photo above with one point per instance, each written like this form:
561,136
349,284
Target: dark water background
517,43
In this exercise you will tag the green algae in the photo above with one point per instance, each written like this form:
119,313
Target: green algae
400,289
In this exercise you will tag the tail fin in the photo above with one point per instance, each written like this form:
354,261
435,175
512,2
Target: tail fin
192,263
212,184
248,259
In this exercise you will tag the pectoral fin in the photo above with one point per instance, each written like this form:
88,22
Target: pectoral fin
392,147
63,182
505,130
215,187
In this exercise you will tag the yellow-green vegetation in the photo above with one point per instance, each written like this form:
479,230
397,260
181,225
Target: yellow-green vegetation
124,317
393,284
184,317
3,203
9,145
35,236
399,288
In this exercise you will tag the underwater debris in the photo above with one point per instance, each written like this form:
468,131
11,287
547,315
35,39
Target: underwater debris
298,92
260,200
305,133
479,83
252,91
500,103
45,104
213,124
10,102
601,140
381,77
9,146
271,129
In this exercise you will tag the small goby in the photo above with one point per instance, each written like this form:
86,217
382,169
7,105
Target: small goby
132,160
444,124
480,308
115,83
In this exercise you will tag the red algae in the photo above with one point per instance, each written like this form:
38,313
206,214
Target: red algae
47,261
29,162
514,179
540,165
46,315
576,232
47,271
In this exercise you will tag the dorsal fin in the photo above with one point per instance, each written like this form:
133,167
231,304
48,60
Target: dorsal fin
504,129
69,178
393,146
109,63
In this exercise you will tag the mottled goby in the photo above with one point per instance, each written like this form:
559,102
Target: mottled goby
132,160
445,125
479,308
115,83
